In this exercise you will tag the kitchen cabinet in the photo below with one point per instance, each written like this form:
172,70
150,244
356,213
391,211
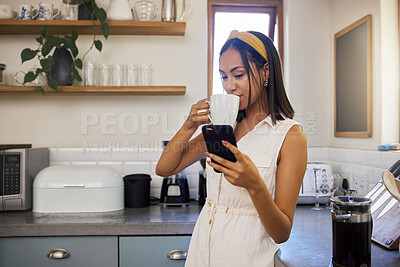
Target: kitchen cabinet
96,251
152,251
32,27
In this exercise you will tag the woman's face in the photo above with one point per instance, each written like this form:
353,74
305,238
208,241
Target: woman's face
235,80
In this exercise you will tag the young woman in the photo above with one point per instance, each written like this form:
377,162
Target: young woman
250,204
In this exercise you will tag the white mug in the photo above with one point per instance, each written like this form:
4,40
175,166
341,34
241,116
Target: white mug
224,109
27,12
47,11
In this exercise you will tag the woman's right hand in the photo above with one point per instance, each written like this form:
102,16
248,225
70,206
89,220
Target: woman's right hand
198,115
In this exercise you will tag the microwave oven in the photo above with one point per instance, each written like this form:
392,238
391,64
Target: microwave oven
18,168
318,175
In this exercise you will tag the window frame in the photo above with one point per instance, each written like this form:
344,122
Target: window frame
273,7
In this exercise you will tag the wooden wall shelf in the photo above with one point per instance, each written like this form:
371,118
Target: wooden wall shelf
97,90
85,27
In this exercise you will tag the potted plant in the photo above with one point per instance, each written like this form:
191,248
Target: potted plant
61,68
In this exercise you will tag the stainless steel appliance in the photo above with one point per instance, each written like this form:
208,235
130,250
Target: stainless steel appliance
318,175
351,230
168,12
18,167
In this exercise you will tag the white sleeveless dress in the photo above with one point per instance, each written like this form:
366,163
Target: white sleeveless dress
228,231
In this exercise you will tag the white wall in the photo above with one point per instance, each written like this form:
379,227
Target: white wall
54,121
306,65
385,67
309,27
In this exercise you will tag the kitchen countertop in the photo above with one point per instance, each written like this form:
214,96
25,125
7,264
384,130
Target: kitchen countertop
153,220
310,243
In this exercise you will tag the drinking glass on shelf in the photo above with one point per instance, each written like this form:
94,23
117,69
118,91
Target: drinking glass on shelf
132,75
117,75
103,75
146,71
89,73
316,190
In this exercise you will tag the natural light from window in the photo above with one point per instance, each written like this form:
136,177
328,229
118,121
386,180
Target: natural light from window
225,22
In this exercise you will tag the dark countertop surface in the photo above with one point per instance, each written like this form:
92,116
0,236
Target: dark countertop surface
310,243
153,220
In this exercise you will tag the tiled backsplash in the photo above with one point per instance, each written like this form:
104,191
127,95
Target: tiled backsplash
365,163
125,161
368,163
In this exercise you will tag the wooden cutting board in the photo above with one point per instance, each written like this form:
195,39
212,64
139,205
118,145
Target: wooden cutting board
386,229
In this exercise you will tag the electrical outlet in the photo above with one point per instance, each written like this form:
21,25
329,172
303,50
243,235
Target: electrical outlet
360,182
347,173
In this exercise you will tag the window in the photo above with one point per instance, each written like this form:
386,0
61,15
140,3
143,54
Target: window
224,16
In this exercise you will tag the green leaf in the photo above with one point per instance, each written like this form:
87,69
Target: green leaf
76,75
98,45
43,30
105,29
46,48
53,85
70,43
38,71
74,35
39,89
100,14
46,64
30,76
28,54
53,40
39,39
78,63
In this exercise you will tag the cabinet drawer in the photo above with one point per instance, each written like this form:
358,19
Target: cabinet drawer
151,251
84,251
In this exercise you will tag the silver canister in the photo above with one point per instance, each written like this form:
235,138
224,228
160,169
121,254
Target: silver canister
351,230
168,12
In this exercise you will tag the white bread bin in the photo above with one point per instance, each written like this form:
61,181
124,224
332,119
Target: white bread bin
78,189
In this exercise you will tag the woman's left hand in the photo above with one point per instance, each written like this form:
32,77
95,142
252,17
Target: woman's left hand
242,173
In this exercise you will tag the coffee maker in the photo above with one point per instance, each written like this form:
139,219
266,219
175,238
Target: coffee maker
351,230
175,189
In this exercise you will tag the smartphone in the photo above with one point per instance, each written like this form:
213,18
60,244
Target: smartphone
213,136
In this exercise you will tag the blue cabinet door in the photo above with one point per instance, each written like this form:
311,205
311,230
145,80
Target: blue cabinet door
152,251
93,251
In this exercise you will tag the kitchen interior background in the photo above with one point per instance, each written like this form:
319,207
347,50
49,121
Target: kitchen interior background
127,132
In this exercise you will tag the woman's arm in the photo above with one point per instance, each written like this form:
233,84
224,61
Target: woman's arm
276,216
180,152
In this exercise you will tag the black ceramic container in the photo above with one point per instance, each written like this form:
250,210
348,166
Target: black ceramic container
83,12
137,190
62,67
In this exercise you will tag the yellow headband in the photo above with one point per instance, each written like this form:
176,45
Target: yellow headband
251,40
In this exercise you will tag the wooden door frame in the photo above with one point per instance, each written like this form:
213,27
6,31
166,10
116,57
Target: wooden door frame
277,5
